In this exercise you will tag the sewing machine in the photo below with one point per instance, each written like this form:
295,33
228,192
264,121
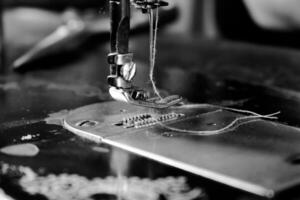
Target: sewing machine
259,159
157,129
122,67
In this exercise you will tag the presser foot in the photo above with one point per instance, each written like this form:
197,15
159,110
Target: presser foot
140,98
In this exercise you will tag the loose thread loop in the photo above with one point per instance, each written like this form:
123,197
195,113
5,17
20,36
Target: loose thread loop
232,125
252,116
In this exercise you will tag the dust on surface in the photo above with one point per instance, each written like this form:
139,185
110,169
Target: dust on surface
76,187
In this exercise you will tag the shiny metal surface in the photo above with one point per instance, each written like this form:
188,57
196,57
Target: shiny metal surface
253,157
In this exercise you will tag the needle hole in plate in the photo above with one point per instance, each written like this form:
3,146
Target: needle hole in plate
87,123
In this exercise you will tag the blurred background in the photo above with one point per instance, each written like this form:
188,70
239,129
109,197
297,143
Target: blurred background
32,29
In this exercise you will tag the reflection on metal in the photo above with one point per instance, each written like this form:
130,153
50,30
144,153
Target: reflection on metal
119,163
252,157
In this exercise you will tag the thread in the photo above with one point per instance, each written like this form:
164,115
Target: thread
252,116
153,18
231,126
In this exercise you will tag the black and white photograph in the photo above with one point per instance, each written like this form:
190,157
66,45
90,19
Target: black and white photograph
149,99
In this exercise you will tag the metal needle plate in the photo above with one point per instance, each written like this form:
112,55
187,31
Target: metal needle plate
259,157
